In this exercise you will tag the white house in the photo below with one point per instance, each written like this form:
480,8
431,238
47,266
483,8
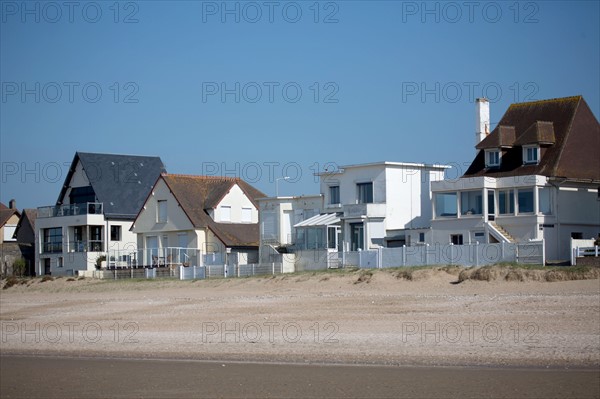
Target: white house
277,217
535,176
99,199
193,220
370,206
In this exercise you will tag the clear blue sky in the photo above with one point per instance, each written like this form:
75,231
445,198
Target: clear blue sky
212,87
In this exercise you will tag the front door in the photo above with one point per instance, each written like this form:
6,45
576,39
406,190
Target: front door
151,251
357,236
47,270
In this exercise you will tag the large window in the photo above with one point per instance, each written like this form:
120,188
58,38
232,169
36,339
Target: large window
471,203
531,155
506,202
334,195
52,240
445,204
365,193
492,158
545,201
525,200
161,216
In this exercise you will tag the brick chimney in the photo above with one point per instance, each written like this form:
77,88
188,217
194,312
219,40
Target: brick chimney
482,119
12,204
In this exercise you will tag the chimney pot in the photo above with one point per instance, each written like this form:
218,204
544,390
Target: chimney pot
12,204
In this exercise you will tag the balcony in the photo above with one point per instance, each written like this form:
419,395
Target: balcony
88,208
367,210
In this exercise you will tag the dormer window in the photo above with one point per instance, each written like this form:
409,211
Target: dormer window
531,154
492,158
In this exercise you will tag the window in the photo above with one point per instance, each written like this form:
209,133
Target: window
421,237
531,155
161,217
365,193
525,200
456,239
61,262
544,201
115,233
225,214
445,204
9,230
52,240
471,203
577,235
334,195
269,225
246,215
506,202
492,158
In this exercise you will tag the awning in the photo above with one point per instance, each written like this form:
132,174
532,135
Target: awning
325,219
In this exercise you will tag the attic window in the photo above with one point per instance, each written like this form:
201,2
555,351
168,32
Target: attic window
531,154
492,158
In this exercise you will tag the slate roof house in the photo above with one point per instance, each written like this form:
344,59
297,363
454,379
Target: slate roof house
9,249
25,236
195,220
535,176
100,197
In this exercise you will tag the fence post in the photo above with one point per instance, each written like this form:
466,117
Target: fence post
451,246
596,247
253,269
477,254
502,251
426,252
273,268
404,255
131,274
543,252
208,271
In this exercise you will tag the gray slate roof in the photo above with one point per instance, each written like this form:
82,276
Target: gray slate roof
120,182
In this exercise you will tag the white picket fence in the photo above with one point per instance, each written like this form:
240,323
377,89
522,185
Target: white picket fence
462,255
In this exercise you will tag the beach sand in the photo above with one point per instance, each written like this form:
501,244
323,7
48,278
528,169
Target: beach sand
356,318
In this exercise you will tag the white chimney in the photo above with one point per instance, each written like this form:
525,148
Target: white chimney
482,119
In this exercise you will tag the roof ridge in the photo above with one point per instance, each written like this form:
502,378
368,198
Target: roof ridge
204,177
571,98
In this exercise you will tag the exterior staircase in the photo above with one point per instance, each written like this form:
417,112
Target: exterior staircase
499,233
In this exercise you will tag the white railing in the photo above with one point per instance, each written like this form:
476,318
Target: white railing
580,252
88,208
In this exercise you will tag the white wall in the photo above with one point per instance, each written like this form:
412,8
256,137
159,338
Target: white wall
236,199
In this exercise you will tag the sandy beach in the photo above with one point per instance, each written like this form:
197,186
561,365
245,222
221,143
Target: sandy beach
359,318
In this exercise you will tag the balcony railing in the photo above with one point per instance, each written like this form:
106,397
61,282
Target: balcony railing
88,208
369,210
52,247
86,246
